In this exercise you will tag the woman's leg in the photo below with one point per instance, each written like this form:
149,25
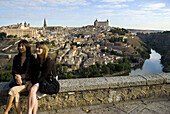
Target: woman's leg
9,104
18,107
32,100
15,93
35,107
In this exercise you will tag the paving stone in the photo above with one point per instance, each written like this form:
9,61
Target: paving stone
47,112
153,79
71,111
116,110
153,106
106,111
138,109
128,106
147,111
150,100
158,107
125,81
166,103
96,106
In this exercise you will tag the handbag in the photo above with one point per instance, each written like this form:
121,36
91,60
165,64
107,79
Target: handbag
49,86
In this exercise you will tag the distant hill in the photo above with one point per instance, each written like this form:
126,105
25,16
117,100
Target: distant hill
160,42
143,31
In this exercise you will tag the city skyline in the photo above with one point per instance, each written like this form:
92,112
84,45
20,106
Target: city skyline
131,14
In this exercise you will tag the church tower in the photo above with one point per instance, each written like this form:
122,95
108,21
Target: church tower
45,24
95,22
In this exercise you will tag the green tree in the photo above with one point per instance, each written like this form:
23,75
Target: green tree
65,69
10,36
9,65
15,36
2,35
112,67
105,69
53,43
5,76
125,41
119,67
69,76
26,36
58,68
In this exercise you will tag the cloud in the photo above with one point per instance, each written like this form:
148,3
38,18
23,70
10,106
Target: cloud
136,12
105,11
35,3
116,1
153,6
167,10
67,5
66,2
112,6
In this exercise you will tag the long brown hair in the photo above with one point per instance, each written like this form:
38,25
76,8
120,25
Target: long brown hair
27,45
43,46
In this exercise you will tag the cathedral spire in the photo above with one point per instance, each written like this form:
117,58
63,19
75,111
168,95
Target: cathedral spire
45,24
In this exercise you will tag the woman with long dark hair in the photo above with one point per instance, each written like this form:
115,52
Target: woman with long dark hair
46,66
23,71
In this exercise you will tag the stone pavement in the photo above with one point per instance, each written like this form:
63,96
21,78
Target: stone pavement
144,106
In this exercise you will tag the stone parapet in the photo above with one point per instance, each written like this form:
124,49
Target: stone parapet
95,91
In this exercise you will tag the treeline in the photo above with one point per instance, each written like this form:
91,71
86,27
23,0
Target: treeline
5,75
121,31
96,70
3,35
99,70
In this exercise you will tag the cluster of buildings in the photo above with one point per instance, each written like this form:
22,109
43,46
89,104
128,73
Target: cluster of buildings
76,46
19,29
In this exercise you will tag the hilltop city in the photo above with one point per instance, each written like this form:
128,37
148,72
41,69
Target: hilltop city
92,50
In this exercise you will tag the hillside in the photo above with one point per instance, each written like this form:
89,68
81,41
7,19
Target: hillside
143,31
161,43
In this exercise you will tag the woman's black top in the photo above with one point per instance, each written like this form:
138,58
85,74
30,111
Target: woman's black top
46,69
28,67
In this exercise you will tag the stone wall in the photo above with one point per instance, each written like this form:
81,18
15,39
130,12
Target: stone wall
95,91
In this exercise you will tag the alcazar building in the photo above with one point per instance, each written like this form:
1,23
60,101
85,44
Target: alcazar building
101,23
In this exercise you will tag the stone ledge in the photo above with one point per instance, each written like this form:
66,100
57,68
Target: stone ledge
95,91
166,77
125,81
154,79
4,88
83,84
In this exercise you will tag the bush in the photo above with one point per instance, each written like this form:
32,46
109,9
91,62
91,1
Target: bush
5,76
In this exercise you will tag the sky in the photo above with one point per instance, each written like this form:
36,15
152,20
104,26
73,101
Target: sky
131,14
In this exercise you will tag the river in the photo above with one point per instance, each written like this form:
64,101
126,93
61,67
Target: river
151,66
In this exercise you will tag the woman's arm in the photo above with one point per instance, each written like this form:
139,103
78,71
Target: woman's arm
15,65
46,68
34,70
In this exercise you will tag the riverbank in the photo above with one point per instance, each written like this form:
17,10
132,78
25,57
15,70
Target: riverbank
122,73
160,43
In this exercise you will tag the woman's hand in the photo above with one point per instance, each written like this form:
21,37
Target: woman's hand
18,79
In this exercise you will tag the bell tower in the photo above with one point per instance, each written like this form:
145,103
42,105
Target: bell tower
45,24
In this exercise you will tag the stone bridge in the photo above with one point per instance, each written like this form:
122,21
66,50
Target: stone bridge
96,91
